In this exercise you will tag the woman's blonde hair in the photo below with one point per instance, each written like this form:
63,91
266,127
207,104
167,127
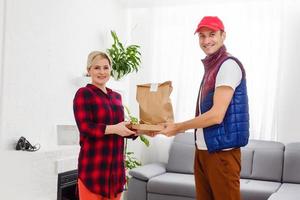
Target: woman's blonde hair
93,55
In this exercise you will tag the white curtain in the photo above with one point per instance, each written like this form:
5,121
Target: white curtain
171,52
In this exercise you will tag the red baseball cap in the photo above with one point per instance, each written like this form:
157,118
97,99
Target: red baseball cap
211,22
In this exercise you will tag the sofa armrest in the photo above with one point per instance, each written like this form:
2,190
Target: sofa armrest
148,171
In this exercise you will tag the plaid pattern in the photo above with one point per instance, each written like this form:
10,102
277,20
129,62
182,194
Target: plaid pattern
101,157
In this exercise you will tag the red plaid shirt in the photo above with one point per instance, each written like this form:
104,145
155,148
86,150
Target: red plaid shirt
101,159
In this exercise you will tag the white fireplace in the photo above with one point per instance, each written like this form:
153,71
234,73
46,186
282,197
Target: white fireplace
33,175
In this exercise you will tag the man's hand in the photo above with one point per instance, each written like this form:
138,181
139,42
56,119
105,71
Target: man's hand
171,129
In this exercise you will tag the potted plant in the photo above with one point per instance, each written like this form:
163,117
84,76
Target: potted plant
124,59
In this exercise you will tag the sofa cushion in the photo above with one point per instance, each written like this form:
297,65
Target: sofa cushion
185,138
287,191
247,162
182,152
173,184
267,160
291,168
267,164
148,171
256,189
181,158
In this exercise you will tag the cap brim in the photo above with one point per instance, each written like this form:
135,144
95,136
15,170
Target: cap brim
206,26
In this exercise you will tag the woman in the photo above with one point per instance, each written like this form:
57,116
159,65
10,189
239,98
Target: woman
99,115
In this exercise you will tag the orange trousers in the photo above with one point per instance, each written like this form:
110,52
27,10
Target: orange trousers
217,175
85,194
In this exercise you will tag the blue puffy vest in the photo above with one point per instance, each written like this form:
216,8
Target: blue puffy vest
233,132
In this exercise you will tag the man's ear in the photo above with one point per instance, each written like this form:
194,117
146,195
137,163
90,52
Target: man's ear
223,35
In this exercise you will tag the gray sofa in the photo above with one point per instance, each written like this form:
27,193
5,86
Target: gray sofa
270,170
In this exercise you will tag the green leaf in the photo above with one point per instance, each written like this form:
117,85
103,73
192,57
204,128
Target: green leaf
132,119
144,140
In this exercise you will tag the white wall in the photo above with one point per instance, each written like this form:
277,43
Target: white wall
2,15
289,87
45,50
1,67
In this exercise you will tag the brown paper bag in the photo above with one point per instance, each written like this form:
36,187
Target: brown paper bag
155,103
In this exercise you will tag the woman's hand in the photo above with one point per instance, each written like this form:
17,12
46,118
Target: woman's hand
119,129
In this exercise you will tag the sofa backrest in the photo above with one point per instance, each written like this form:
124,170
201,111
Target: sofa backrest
262,160
181,155
291,167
